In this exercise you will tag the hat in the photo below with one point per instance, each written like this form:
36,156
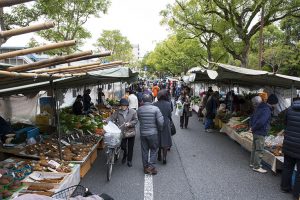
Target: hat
124,102
264,96
272,100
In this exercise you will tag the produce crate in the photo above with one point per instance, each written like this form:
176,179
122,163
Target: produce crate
85,167
30,131
93,156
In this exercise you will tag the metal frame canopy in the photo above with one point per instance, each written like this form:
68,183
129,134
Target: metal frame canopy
111,75
228,74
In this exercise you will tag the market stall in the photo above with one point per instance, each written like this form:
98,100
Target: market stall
235,122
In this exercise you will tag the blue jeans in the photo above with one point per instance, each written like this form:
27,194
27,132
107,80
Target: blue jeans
208,123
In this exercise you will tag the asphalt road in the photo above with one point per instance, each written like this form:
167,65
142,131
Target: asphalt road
200,165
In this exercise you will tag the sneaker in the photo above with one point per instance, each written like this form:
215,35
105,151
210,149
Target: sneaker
251,166
208,130
260,170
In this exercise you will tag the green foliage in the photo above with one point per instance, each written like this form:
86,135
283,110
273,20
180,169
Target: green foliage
233,23
69,17
119,45
176,55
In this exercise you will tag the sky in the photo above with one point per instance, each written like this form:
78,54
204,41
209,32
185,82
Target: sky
138,20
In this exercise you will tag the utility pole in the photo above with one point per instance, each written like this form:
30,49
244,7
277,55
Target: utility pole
261,37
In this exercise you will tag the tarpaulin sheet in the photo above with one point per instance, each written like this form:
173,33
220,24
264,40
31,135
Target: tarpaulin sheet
19,108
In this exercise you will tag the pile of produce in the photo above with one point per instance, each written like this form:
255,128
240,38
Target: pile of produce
113,102
241,128
8,184
50,149
69,122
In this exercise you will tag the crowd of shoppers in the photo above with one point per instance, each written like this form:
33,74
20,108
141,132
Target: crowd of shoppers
152,108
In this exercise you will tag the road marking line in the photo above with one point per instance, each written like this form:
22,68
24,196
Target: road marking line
148,187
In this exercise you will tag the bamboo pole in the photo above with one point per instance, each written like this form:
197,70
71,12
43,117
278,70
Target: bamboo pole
29,75
48,62
28,29
93,68
37,49
65,68
75,67
99,68
88,68
98,55
5,3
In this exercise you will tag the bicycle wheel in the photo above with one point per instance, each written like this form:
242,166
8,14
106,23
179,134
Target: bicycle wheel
110,161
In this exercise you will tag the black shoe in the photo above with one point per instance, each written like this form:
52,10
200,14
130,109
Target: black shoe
185,127
124,160
158,158
129,164
164,161
285,190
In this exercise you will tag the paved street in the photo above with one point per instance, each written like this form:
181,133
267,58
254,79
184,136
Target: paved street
201,165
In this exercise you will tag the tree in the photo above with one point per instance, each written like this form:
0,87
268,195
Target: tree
236,22
119,45
69,17
175,56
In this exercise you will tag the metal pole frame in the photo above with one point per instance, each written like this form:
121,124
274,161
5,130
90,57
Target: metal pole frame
57,119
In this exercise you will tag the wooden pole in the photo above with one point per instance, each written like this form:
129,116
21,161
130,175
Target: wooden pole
93,68
28,29
37,49
5,3
94,64
29,75
48,62
98,55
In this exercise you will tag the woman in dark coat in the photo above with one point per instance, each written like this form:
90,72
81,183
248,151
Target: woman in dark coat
164,137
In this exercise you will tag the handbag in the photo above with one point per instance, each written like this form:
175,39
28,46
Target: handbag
190,112
173,128
129,133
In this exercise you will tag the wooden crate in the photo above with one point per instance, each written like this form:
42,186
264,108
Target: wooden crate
93,156
85,167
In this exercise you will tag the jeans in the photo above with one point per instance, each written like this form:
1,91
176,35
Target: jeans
184,119
208,123
257,151
287,173
149,144
127,146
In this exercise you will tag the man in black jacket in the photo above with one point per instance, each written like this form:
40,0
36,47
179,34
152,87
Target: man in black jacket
291,150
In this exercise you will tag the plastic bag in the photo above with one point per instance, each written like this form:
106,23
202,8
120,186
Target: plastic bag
113,135
179,109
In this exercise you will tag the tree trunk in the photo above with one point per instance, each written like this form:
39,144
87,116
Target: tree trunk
245,55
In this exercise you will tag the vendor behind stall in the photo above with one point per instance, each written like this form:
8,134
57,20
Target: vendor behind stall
5,128
87,100
78,106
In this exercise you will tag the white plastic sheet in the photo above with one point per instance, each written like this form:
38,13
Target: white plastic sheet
19,108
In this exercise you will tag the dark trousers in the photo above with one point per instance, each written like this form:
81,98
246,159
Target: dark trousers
184,119
287,173
127,146
149,144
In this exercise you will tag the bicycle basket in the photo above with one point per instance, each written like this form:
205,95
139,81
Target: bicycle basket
73,191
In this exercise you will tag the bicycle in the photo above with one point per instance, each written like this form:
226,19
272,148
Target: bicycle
77,190
113,152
